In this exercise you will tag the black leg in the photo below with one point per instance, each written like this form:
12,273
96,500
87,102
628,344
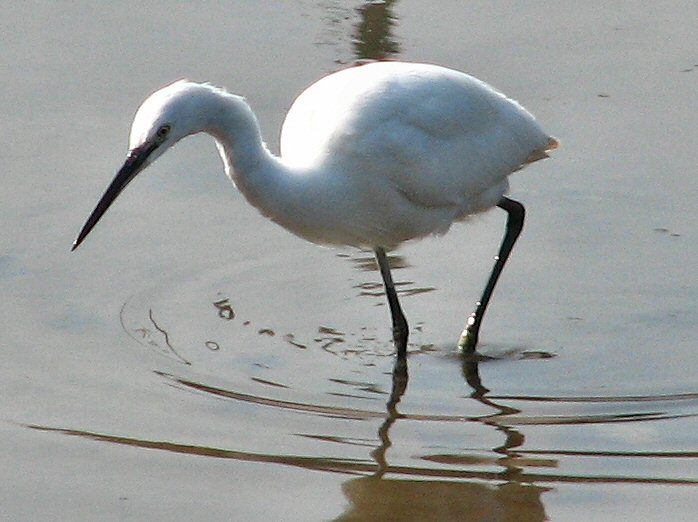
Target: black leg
515,221
400,331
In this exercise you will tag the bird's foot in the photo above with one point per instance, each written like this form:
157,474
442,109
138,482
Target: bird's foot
468,340
471,333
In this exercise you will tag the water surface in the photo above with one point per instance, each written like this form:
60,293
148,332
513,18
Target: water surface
194,361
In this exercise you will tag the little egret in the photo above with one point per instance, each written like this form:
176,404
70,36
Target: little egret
371,156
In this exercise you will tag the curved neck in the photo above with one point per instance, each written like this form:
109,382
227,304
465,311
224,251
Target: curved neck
254,170
235,128
277,190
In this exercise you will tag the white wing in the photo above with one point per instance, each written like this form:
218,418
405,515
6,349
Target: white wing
439,136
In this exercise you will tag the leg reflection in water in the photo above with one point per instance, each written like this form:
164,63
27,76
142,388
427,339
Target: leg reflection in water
400,378
460,487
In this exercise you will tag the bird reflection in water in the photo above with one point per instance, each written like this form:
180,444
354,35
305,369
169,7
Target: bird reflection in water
376,498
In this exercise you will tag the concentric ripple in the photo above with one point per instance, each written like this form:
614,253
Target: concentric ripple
341,405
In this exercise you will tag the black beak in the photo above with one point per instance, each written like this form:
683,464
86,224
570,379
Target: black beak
134,163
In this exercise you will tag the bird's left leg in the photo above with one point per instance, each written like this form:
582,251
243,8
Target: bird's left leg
400,331
515,221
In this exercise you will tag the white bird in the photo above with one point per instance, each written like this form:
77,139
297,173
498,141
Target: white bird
371,156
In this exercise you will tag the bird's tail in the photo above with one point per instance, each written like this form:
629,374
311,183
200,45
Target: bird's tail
541,153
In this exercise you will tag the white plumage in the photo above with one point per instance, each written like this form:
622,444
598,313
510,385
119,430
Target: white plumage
371,156
415,146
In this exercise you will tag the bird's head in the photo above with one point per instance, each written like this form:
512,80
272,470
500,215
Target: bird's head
164,118
168,115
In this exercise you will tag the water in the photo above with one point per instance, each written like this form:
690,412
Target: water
194,361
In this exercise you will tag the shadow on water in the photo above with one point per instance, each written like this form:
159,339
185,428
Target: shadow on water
378,498
368,31
296,376
374,39
496,477
505,481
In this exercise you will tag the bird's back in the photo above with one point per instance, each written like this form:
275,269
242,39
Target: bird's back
441,137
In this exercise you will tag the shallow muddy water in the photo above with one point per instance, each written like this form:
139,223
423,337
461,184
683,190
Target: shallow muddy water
194,361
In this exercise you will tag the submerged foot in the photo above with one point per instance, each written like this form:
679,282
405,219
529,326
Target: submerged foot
468,339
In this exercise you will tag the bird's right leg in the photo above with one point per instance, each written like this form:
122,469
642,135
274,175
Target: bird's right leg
400,331
515,220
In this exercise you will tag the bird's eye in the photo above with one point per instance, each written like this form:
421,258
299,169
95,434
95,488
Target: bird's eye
163,132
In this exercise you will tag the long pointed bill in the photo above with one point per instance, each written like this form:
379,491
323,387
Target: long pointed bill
135,162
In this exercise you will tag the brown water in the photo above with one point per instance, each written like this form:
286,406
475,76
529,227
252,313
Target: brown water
194,362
